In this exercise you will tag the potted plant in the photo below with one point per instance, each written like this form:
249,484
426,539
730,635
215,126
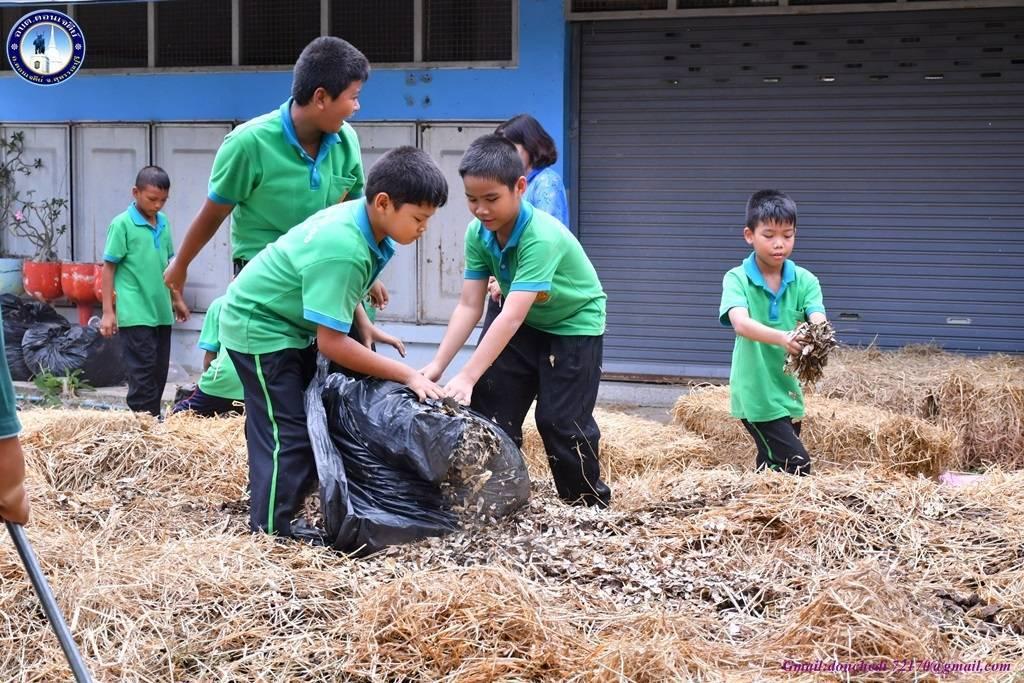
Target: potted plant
42,224
12,164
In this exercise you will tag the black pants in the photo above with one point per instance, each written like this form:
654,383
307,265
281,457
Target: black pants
779,446
147,352
493,309
562,373
237,265
282,468
206,405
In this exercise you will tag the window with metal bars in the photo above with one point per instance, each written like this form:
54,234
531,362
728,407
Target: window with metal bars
116,34
381,29
192,33
466,31
274,32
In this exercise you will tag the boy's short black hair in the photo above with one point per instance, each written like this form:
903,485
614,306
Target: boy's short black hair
523,129
772,207
153,176
408,176
329,63
492,157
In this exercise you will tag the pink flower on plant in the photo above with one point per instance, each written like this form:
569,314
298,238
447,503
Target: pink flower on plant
18,216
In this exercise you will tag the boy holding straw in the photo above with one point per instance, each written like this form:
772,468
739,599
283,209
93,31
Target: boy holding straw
764,299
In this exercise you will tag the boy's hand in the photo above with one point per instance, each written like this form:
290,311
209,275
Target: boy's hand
792,343
432,371
181,312
174,276
17,509
423,387
382,337
108,325
494,289
379,296
460,388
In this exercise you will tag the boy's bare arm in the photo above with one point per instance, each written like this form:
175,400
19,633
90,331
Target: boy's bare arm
464,318
745,326
817,317
346,351
14,505
108,323
203,228
504,327
207,359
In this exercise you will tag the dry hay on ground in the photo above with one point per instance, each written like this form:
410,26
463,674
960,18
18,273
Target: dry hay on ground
979,398
629,446
835,432
694,573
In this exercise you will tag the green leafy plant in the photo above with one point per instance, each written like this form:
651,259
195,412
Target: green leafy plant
12,164
56,389
41,223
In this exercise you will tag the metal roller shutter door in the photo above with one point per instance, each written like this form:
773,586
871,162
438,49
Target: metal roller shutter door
900,135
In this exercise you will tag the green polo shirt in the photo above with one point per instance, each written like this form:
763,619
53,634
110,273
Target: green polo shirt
9,424
220,379
141,253
274,184
760,390
316,274
541,256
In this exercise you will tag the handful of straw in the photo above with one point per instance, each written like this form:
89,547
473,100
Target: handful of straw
819,339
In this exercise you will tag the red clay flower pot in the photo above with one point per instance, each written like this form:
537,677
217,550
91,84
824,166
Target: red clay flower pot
79,283
42,280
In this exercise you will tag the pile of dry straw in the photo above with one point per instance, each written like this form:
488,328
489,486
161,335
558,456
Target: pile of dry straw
694,572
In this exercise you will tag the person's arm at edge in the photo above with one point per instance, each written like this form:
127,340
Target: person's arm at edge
14,504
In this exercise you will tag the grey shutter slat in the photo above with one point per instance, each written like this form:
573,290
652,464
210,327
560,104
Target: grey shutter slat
900,137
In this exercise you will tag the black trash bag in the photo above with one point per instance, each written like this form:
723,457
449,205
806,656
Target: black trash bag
62,350
393,470
18,316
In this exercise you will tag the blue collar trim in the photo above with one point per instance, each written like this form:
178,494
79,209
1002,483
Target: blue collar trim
490,240
140,220
327,140
383,250
754,275
533,174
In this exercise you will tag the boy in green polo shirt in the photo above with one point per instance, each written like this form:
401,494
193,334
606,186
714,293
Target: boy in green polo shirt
276,170
139,244
218,391
305,287
764,299
14,506
546,343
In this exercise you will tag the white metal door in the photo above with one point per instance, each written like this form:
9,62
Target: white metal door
49,144
186,152
440,252
107,159
400,275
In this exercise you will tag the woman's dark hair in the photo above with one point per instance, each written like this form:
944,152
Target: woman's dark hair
523,129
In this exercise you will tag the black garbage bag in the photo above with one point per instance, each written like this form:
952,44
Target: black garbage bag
19,315
61,350
393,470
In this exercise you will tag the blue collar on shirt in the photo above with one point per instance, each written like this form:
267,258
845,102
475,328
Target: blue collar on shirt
755,276
140,220
327,140
490,239
533,174
382,251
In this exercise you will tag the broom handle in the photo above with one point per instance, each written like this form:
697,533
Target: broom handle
35,574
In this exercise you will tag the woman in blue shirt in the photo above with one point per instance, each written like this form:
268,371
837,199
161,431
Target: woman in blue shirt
544,187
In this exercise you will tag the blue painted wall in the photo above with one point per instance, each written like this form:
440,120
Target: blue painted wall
537,85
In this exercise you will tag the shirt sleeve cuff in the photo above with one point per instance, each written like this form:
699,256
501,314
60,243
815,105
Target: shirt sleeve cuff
476,274
530,287
110,258
814,309
723,316
219,199
212,348
326,321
